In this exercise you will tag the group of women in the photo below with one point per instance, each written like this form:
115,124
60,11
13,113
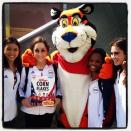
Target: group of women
20,85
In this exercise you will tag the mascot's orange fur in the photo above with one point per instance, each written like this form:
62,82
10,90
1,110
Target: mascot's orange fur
27,58
74,39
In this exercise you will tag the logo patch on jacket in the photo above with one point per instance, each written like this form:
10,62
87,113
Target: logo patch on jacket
32,72
95,90
5,76
50,74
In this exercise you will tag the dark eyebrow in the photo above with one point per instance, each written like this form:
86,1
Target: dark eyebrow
76,14
116,52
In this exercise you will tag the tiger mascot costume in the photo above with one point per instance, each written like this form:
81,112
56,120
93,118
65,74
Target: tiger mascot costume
74,39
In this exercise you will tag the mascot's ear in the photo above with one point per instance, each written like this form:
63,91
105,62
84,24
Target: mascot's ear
86,8
55,13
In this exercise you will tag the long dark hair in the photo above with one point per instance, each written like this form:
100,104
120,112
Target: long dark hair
122,44
17,62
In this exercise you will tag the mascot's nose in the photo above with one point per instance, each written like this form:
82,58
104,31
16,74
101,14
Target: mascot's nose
69,36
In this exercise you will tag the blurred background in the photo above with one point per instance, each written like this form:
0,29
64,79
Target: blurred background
28,20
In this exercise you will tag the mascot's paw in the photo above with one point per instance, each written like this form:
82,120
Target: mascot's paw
107,69
54,57
49,61
28,59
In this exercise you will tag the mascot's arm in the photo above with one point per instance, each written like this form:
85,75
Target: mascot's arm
106,78
110,114
107,69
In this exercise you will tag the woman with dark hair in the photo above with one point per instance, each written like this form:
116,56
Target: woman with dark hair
11,64
17,61
101,100
119,57
95,100
38,88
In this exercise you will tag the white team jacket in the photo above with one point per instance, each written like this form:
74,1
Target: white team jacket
95,105
35,72
120,94
10,88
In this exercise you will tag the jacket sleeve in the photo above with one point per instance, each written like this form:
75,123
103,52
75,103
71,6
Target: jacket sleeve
20,91
107,88
101,111
58,91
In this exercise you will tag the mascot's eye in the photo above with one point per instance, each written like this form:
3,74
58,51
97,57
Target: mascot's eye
64,23
75,22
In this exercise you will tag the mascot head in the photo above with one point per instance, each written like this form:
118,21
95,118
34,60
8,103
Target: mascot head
75,34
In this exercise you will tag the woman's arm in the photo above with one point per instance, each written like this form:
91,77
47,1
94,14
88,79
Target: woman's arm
22,89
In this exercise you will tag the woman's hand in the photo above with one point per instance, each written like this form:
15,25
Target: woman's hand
57,101
27,102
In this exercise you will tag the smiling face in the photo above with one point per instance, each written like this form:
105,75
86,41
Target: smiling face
117,55
95,62
40,52
11,52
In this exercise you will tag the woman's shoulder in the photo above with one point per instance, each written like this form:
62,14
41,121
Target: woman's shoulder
7,70
50,65
94,85
8,74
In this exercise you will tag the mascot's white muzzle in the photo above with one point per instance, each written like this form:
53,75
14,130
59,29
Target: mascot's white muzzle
68,37
73,42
